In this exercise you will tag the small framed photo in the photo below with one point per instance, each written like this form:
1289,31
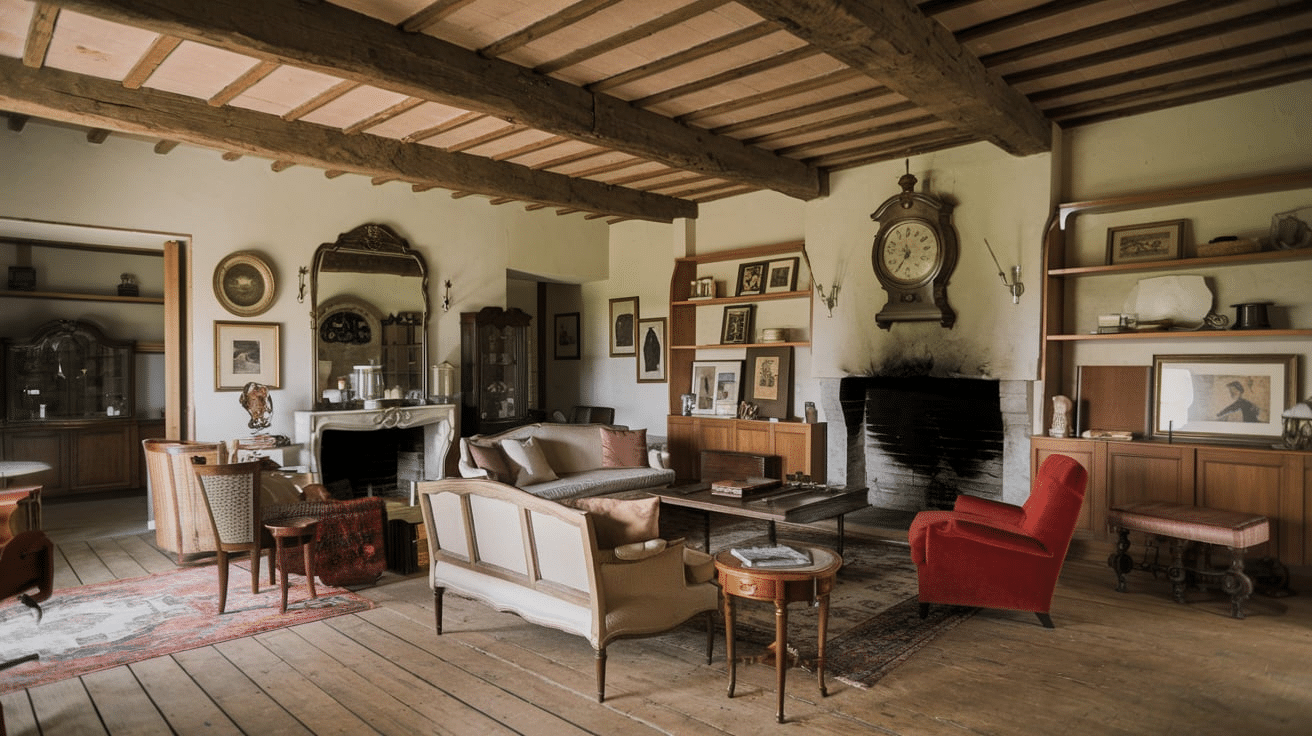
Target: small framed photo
751,278
246,352
770,381
651,350
737,326
781,276
1154,241
623,326
566,337
1223,397
244,284
702,288
716,386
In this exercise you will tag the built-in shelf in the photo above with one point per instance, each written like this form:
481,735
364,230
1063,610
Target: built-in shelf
722,346
722,300
80,297
1185,263
1185,334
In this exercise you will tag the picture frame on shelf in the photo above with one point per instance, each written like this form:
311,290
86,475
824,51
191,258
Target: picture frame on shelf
1152,241
751,278
737,326
769,382
623,326
651,350
566,331
781,275
702,288
1235,398
244,284
716,387
246,352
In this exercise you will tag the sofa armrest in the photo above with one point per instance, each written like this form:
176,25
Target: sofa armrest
1011,539
643,578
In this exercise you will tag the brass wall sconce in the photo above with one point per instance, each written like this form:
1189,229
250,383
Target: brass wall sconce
1014,286
446,296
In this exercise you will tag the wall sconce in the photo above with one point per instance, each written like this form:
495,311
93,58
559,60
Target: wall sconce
1014,285
446,297
300,292
830,299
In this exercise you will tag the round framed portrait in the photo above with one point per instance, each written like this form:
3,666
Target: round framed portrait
243,283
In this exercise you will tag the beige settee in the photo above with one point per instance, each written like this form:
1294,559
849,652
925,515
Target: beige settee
575,456
602,574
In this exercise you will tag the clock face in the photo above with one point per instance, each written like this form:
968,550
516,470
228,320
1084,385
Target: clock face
910,252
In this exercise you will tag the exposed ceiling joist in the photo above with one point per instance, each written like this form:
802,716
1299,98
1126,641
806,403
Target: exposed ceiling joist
97,103
343,43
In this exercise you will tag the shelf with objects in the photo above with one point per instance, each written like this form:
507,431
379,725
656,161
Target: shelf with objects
44,264
735,322
494,373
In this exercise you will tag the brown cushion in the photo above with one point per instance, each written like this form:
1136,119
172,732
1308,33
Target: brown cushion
491,459
623,448
618,522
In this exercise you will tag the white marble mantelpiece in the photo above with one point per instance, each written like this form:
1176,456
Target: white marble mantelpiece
437,420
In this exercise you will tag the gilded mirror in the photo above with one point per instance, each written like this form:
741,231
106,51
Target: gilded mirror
369,293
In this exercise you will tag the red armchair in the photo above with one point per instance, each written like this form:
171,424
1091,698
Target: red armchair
995,555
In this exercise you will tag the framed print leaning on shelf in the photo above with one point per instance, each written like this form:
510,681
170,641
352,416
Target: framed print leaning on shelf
1223,397
716,386
623,326
736,329
770,381
567,336
781,276
751,278
1154,241
651,350
246,352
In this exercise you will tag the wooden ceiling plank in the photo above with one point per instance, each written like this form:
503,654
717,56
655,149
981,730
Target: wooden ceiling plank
445,126
779,93
827,125
638,32
687,56
392,111
607,168
80,100
533,147
337,41
150,61
800,150
1024,17
918,58
819,107
1200,96
495,135
545,27
571,158
891,150
431,14
239,85
729,75
319,100
39,33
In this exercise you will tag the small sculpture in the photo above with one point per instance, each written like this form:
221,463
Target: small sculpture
257,402
1061,417
748,410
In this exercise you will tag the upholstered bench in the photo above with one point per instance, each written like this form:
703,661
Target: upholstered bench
1182,525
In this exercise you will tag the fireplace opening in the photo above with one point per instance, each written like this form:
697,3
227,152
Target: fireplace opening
356,464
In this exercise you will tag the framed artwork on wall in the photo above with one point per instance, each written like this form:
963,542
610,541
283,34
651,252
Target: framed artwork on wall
246,352
566,339
781,276
716,386
651,350
243,284
751,278
1154,241
623,326
1223,397
736,328
769,382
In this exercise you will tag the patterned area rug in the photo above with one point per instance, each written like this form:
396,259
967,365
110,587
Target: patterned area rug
124,621
874,620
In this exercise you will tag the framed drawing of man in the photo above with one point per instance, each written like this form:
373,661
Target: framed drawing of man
1223,397
769,382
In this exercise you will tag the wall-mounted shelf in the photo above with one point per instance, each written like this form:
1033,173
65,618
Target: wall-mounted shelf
1186,263
722,300
75,296
1185,335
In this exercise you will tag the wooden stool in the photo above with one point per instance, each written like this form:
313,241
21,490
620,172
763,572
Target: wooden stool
1184,524
291,532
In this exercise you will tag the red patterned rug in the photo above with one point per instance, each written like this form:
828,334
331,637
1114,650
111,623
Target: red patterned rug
124,621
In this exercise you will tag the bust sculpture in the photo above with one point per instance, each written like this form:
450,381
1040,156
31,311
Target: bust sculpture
1061,417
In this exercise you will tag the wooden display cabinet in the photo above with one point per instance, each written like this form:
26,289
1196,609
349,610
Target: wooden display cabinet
494,370
802,447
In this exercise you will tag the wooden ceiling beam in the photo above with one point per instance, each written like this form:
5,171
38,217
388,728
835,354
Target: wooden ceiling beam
39,32
545,27
687,56
778,93
915,56
343,43
735,74
155,55
431,14
638,32
236,87
80,100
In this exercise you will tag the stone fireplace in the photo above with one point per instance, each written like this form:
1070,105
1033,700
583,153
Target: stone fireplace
365,446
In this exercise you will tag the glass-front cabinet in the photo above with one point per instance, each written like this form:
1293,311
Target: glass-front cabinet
495,371
68,370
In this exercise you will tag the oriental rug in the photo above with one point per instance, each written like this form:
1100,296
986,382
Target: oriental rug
95,627
874,619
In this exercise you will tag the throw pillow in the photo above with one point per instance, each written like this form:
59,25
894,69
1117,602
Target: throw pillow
640,550
491,459
623,448
618,522
528,462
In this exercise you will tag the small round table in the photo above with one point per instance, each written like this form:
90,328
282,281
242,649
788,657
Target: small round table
781,585
289,533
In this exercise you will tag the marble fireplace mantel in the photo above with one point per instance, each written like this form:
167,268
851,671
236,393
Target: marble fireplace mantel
437,420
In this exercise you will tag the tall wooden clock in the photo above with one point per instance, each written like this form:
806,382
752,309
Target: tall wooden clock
914,253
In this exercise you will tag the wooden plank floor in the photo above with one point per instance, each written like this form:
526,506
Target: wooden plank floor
1133,663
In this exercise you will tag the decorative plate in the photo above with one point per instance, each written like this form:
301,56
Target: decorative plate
243,284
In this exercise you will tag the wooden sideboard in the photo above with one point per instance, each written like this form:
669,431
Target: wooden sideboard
1272,482
802,446
84,457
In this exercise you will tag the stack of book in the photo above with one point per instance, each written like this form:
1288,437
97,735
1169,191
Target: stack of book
740,487
779,555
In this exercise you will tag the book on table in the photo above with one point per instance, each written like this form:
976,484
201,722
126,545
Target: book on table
739,487
779,555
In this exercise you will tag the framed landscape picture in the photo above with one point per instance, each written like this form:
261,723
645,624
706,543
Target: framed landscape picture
781,276
623,326
567,336
1223,397
716,386
246,352
769,382
651,350
1154,241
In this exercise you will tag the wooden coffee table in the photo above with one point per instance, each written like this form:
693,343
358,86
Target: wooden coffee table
789,503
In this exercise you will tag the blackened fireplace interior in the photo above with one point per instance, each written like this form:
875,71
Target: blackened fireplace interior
355,464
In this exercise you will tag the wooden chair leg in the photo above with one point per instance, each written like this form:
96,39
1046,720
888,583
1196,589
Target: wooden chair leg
710,635
272,567
1045,619
255,570
437,608
601,674
223,580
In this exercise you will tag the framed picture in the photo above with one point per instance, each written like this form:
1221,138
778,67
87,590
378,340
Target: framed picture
566,330
716,386
702,288
751,278
781,276
1223,397
243,284
1154,241
736,328
623,326
651,350
770,381
246,352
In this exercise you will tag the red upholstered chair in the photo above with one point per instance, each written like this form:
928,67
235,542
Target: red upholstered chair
996,555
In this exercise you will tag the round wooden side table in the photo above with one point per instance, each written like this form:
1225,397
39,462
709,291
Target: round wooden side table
289,533
780,585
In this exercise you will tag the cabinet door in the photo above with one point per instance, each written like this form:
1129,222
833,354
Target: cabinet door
1093,512
754,437
681,436
1140,472
1258,482
41,445
103,458
803,449
715,434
